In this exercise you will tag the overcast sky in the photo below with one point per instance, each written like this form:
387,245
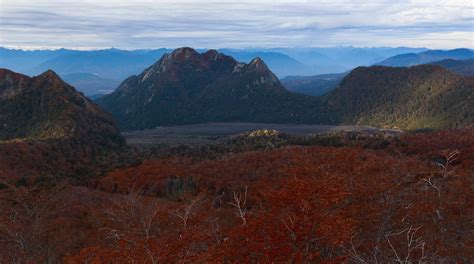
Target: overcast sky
136,24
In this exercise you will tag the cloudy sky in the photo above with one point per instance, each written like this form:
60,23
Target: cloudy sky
136,24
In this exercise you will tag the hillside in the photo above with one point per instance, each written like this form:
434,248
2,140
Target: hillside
313,85
412,59
49,130
425,96
44,107
188,87
461,67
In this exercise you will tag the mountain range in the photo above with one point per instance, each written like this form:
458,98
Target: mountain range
190,87
90,72
99,71
320,84
412,59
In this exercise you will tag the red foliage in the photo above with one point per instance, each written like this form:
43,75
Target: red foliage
297,204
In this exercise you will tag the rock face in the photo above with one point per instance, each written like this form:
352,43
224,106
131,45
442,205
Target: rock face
188,87
46,108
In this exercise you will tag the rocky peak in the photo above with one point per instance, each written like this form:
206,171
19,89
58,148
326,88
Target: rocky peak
191,59
212,55
11,83
258,64
50,80
49,76
266,75
184,53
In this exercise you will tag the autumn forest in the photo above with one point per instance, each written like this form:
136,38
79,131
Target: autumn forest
406,199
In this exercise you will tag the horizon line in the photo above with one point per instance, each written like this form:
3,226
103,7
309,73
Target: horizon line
18,48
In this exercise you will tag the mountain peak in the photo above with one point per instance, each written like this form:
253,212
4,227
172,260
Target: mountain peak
184,53
53,110
259,64
49,74
212,54
11,83
190,87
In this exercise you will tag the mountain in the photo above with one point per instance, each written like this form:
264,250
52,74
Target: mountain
424,96
188,87
91,72
411,59
324,60
461,67
311,61
280,64
110,63
23,60
46,108
116,64
90,84
313,85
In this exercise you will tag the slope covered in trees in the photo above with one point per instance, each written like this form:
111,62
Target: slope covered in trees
48,127
44,107
461,67
412,59
424,96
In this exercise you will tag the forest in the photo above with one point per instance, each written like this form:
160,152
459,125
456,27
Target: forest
263,197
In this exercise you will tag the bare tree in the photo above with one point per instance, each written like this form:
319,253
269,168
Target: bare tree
134,218
185,212
240,204
27,223
449,158
413,242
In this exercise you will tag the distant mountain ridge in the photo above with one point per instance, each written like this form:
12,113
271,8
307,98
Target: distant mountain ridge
91,84
412,59
116,65
316,85
88,71
461,67
280,64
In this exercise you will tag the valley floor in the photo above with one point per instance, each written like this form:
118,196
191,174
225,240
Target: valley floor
217,132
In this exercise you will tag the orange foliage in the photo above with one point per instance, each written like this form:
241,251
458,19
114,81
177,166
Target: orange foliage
297,204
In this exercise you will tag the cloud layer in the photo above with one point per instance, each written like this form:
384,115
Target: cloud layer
136,24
